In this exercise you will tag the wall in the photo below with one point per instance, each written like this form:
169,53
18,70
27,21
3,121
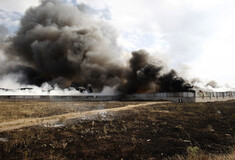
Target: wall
214,96
63,98
175,97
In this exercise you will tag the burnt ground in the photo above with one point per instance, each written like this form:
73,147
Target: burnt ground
151,132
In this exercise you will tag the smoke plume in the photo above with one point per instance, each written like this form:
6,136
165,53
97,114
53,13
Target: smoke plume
61,44
3,33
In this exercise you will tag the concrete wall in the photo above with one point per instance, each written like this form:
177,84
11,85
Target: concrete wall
63,98
214,96
175,97
185,96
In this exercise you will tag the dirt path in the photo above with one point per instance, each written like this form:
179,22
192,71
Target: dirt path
16,124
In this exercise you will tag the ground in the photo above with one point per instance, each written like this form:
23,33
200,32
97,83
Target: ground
115,130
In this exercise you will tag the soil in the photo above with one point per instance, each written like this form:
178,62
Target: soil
89,112
149,131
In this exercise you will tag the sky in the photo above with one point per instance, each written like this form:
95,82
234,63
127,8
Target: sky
195,37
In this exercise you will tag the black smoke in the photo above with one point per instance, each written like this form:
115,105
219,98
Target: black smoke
144,77
62,44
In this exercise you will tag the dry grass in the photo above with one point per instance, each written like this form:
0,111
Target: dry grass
14,110
29,109
204,156
97,114
172,131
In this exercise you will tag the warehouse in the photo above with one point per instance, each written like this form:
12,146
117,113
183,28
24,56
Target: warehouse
197,96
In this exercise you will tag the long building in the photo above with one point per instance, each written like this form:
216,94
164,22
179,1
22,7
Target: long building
197,96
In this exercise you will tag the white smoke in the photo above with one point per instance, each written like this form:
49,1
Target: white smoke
210,86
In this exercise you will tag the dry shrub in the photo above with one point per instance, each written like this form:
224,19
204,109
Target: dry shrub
196,154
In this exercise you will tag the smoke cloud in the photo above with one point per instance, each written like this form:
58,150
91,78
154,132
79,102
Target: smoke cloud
63,45
3,33
145,77
213,84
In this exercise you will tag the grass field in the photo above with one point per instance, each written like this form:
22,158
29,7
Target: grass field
119,130
14,110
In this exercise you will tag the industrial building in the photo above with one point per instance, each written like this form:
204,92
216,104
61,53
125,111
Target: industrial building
197,96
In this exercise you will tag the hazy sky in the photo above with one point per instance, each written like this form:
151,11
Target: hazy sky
197,35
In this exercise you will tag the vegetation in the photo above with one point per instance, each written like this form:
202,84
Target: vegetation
172,131
13,110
